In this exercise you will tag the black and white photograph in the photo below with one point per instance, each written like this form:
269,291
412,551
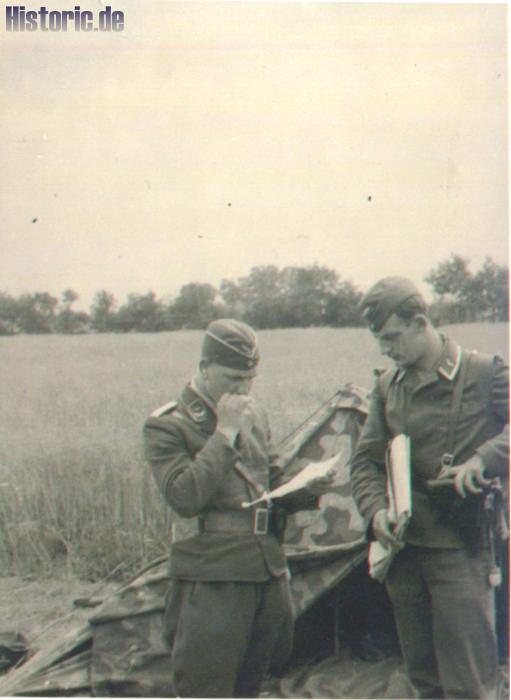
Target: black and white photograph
254,306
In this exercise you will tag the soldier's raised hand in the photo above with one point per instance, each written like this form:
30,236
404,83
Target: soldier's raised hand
233,410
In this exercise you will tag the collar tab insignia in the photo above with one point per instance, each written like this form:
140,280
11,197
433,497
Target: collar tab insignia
197,410
451,364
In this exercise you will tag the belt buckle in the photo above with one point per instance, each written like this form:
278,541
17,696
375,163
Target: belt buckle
261,518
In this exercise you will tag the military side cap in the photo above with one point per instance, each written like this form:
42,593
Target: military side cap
230,343
383,299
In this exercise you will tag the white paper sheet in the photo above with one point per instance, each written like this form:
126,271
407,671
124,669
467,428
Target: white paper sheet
313,470
399,476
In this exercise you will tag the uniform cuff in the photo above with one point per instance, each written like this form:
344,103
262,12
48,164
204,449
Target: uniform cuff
368,518
492,460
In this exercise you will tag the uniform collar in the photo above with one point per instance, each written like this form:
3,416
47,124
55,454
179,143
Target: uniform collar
450,360
448,364
197,386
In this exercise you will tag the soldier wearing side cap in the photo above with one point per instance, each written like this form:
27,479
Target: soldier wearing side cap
440,581
229,613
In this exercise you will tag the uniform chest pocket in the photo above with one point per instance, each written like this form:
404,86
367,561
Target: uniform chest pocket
472,411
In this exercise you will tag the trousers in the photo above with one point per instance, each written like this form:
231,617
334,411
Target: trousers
226,636
445,617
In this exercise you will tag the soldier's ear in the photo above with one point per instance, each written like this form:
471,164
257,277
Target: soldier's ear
421,321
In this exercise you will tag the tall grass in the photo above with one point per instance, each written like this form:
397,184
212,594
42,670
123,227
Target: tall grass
74,488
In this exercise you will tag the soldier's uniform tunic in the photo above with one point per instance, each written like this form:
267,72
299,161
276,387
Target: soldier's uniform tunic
442,599
229,612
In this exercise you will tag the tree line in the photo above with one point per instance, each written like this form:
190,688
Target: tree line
268,297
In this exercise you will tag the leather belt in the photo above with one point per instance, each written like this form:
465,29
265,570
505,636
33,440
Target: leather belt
256,521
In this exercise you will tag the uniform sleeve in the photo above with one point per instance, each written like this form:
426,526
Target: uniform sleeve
495,452
187,484
367,465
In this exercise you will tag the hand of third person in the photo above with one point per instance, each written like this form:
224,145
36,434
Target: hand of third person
322,484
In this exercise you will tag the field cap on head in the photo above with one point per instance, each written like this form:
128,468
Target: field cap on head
382,300
230,343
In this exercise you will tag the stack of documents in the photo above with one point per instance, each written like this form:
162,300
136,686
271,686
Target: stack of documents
399,495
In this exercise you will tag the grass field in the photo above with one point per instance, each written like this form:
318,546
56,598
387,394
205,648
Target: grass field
74,489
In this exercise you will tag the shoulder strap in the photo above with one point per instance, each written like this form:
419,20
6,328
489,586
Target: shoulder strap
457,396
166,408
484,367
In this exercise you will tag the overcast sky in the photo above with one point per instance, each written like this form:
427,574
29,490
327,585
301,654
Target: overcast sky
210,137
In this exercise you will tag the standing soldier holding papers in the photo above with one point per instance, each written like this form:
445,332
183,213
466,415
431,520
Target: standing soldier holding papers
229,614
453,405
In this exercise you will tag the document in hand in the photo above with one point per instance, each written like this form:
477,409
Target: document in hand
313,470
399,496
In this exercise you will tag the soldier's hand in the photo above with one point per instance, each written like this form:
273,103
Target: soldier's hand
232,411
322,484
468,476
383,530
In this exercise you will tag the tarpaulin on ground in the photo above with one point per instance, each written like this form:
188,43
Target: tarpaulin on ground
121,652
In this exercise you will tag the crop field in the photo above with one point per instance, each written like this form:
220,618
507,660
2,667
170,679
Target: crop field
74,489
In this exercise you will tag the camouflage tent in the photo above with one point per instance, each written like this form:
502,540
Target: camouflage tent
120,651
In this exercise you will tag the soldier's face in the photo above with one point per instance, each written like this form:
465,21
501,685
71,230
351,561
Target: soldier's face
220,380
404,343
